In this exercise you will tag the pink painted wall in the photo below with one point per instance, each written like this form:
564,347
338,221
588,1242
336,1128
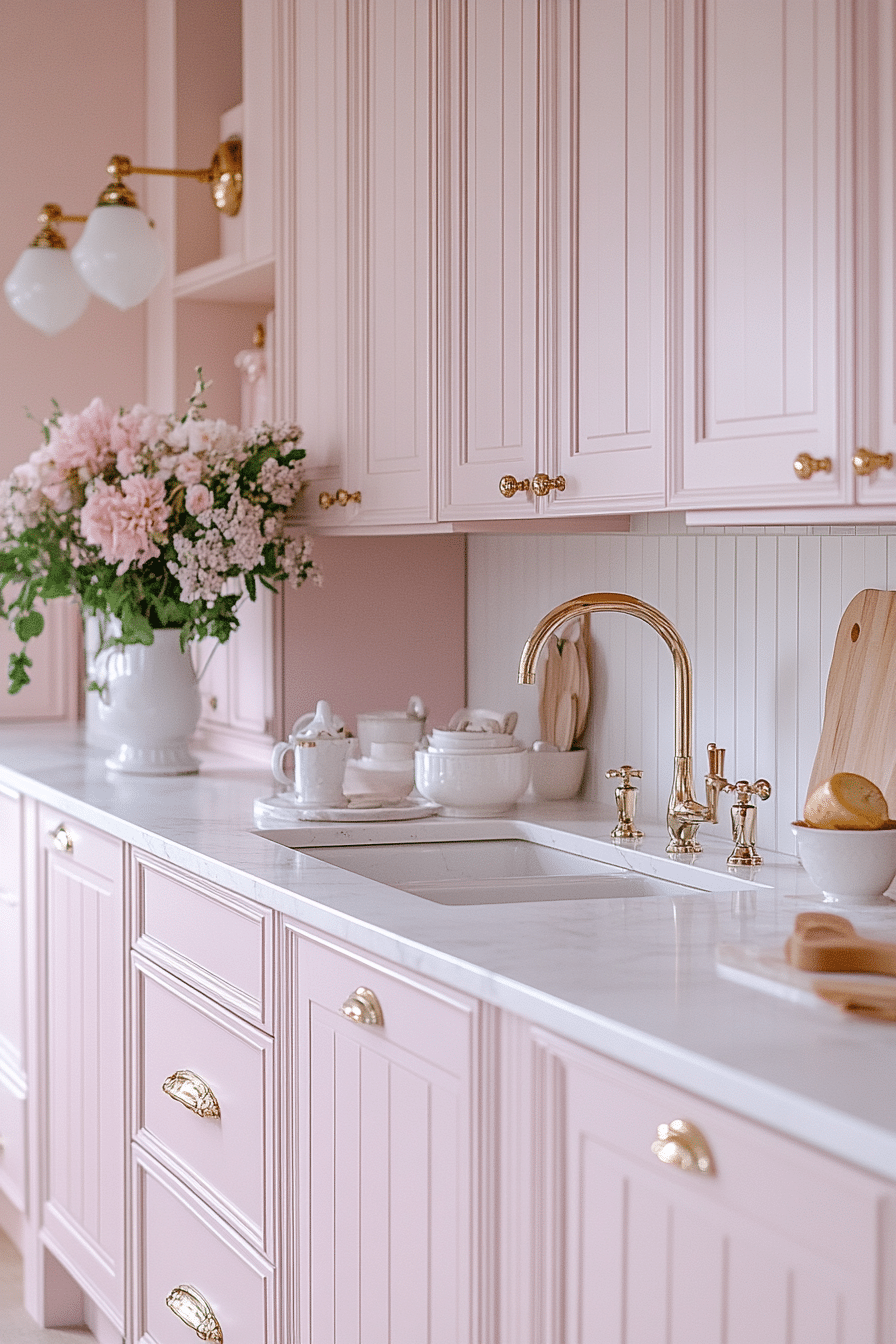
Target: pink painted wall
388,622
71,95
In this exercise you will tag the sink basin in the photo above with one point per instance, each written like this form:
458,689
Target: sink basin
488,872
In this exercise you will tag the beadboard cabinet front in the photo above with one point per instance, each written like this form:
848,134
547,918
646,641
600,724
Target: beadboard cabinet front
354,309
80,1116
379,1151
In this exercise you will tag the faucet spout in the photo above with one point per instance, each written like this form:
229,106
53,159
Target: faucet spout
684,814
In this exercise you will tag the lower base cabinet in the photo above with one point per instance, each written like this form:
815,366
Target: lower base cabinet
379,1147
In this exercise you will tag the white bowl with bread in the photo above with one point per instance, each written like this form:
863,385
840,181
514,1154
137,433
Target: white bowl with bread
847,842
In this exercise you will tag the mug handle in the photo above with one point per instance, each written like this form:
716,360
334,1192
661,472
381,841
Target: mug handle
277,755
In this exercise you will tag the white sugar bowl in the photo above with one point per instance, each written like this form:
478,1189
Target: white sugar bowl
472,784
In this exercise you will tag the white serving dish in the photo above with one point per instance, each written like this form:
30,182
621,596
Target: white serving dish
472,784
850,867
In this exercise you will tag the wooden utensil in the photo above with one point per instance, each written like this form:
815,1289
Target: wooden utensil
875,1002
859,728
823,942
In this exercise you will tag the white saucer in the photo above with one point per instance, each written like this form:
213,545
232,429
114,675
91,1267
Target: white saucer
282,807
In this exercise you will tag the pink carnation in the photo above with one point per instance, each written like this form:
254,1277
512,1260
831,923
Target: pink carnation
122,523
82,442
199,498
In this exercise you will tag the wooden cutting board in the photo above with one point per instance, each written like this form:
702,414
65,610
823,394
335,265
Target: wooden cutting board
859,729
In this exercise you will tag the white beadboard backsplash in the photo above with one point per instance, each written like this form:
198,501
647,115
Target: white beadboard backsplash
757,608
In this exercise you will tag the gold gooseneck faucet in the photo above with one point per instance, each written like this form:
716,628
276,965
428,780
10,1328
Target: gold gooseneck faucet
684,814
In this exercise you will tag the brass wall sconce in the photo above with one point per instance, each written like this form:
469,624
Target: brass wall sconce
118,256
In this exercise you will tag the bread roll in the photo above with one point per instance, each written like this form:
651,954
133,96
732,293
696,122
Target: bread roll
847,802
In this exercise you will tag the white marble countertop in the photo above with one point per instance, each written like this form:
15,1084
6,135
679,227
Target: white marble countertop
633,977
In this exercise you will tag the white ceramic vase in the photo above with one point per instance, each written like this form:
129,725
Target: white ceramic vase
149,706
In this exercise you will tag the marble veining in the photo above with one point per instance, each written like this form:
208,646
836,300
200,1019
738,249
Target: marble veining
632,977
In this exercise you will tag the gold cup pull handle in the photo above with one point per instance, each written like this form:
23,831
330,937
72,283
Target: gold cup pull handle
193,1092
866,463
62,840
542,484
508,485
341,497
364,1007
190,1306
806,466
681,1144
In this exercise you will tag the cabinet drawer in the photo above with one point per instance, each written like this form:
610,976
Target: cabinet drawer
203,934
183,1244
225,1157
67,841
12,1145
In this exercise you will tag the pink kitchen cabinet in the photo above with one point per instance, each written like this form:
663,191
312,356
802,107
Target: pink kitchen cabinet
779,1243
553,259
78,1088
379,1155
355,302
13,1080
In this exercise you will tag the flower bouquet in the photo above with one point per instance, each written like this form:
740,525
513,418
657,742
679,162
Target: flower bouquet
148,519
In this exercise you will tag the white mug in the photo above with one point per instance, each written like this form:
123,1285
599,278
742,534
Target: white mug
319,767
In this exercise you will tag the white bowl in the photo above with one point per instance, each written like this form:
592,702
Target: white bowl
472,784
558,774
442,739
850,867
389,725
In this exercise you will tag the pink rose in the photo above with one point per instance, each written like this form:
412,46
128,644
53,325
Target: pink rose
199,498
189,470
122,523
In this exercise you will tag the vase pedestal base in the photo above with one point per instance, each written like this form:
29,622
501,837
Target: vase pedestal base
175,759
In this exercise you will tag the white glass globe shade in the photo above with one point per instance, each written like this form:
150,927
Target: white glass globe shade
118,255
45,289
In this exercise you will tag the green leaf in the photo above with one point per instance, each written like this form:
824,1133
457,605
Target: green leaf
18,671
29,626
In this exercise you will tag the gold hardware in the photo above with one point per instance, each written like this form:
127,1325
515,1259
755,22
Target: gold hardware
683,814
364,1007
193,1092
49,236
806,466
224,176
213,702
62,840
626,802
743,821
682,1145
259,336
865,463
541,483
341,497
508,485
190,1306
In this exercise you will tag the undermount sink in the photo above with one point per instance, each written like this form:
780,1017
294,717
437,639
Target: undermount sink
487,872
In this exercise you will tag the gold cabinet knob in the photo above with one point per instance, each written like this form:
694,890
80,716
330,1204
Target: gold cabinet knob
541,483
806,466
193,1092
866,463
364,1007
508,485
62,840
341,497
682,1145
190,1306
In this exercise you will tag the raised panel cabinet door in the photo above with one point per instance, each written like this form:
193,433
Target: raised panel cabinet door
356,344
766,288
605,149
776,1243
489,259
381,1154
82,1109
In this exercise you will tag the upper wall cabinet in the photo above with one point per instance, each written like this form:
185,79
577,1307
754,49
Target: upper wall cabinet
472,285
551,261
787,284
354,336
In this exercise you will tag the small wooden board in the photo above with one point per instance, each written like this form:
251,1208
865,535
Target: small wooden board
859,729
